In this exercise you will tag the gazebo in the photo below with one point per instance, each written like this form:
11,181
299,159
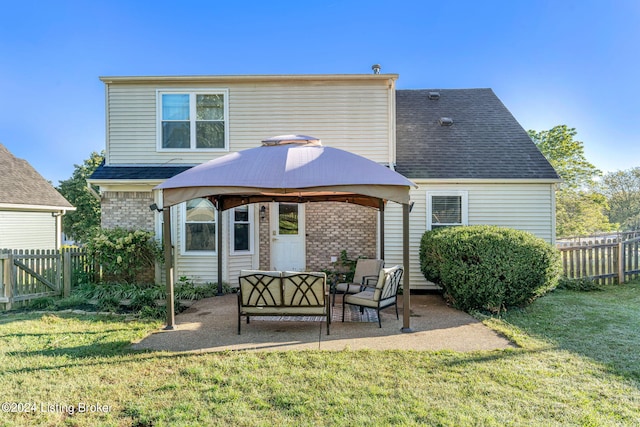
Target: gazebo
287,168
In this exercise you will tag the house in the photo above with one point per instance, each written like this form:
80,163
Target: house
160,126
30,208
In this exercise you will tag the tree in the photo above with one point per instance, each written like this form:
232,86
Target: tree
622,189
566,155
580,209
580,213
82,223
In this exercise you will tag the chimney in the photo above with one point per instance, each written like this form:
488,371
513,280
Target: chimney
376,68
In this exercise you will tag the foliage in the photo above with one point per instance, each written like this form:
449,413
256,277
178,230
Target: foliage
580,213
43,303
583,284
82,223
124,254
580,209
488,267
109,303
187,289
622,189
566,155
344,268
121,291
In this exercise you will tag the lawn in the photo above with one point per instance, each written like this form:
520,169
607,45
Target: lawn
577,365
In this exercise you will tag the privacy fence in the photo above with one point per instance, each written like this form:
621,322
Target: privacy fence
30,274
607,259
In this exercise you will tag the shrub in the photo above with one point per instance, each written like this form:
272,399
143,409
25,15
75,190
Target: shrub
42,303
124,254
583,284
143,298
488,267
111,304
187,289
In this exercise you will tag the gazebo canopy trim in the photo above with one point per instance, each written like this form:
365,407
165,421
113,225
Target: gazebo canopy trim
288,170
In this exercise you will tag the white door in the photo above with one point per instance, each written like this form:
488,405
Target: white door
287,237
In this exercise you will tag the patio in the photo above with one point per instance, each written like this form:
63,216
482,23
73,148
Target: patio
210,325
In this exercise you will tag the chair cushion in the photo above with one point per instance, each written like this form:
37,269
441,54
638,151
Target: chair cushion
348,288
364,298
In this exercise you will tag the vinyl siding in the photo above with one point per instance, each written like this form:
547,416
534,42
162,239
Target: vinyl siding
528,207
27,230
204,268
351,115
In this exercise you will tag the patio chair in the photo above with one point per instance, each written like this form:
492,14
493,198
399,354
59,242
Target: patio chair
367,270
383,295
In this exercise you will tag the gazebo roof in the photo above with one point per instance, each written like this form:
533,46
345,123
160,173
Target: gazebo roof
288,168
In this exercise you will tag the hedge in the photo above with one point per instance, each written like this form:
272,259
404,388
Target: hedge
487,267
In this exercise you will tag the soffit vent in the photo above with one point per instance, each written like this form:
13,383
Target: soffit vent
434,96
446,121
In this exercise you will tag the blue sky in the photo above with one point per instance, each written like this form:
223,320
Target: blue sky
573,62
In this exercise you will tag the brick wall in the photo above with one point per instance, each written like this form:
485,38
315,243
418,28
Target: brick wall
330,228
265,241
334,227
128,210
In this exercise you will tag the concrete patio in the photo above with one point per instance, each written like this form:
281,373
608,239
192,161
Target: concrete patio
210,325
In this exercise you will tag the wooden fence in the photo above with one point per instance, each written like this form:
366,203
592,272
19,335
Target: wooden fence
30,274
606,260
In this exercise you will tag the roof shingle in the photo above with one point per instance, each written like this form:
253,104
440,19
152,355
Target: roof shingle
136,172
484,142
21,184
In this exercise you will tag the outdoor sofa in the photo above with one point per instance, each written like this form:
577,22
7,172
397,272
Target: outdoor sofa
283,293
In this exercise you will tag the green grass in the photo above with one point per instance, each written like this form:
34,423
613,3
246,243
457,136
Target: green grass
569,370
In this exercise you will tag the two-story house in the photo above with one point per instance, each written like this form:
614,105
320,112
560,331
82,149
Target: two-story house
473,162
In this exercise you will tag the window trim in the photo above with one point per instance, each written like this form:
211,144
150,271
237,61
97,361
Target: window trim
183,233
463,194
232,222
192,92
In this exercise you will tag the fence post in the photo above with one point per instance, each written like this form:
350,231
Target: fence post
66,274
9,278
620,261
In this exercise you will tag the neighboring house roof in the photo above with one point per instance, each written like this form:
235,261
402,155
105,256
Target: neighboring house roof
136,172
484,142
21,184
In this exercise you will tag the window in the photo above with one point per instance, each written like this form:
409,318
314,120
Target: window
199,226
192,120
288,218
241,229
446,209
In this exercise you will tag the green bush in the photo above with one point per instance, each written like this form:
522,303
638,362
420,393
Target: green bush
583,284
124,254
42,303
488,267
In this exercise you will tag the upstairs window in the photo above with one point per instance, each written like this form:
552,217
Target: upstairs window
446,209
192,120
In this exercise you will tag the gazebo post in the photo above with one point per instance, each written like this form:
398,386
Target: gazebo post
381,210
406,287
219,235
168,265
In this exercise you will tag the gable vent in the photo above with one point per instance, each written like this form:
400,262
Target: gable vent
434,96
446,121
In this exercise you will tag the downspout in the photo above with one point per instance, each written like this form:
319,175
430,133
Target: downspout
391,113
58,217
93,192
